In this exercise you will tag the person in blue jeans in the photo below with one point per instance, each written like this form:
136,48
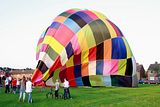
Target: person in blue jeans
22,89
66,89
29,90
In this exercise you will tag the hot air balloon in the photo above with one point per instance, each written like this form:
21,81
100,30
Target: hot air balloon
87,49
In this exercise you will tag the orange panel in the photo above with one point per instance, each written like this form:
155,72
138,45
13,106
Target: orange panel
84,70
107,49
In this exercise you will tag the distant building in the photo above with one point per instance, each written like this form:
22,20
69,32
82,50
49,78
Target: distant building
153,71
140,71
19,73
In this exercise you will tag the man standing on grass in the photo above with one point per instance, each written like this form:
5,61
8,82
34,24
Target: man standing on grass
66,89
56,88
22,89
29,90
7,85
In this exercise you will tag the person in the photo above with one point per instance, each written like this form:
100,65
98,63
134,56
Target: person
66,89
10,82
22,89
7,85
56,88
14,81
18,85
29,89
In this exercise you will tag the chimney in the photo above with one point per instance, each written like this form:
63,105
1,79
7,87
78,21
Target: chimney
156,62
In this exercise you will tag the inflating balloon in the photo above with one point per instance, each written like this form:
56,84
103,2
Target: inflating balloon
86,48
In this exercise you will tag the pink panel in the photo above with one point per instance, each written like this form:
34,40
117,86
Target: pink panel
63,35
107,67
75,45
110,67
44,47
40,40
71,11
63,68
114,67
51,31
91,14
37,56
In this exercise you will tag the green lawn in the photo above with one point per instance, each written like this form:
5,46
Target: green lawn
143,96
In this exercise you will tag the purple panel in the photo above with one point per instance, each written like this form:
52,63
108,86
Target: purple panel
84,16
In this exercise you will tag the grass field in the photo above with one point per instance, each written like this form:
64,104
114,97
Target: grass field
143,96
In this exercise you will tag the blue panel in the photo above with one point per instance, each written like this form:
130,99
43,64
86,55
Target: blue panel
72,25
77,71
79,81
107,80
69,50
99,67
84,16
55,25
118,48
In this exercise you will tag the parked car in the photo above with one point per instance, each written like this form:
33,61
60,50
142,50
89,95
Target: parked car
141,82
149,81
153,82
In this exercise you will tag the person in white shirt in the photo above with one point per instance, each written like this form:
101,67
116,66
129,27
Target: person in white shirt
29,90
18,85
56,88
66,89
7,85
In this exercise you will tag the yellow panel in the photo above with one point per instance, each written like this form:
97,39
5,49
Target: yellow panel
129,52
122,67
60,19
70,63
46,75
110,28
56,46
89,36
84,57
82,40
100,15
56,74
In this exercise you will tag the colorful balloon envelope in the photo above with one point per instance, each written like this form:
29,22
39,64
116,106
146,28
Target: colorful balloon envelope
87,49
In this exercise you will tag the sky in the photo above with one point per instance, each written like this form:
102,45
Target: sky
23,21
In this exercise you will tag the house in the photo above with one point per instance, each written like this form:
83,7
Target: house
153,71
140,71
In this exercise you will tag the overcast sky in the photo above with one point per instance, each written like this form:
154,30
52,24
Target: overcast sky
23,21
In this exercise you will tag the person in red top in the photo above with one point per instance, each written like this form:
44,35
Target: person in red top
14,83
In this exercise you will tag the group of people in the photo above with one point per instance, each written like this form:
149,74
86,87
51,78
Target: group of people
12,85
22,86
66,89
25,87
